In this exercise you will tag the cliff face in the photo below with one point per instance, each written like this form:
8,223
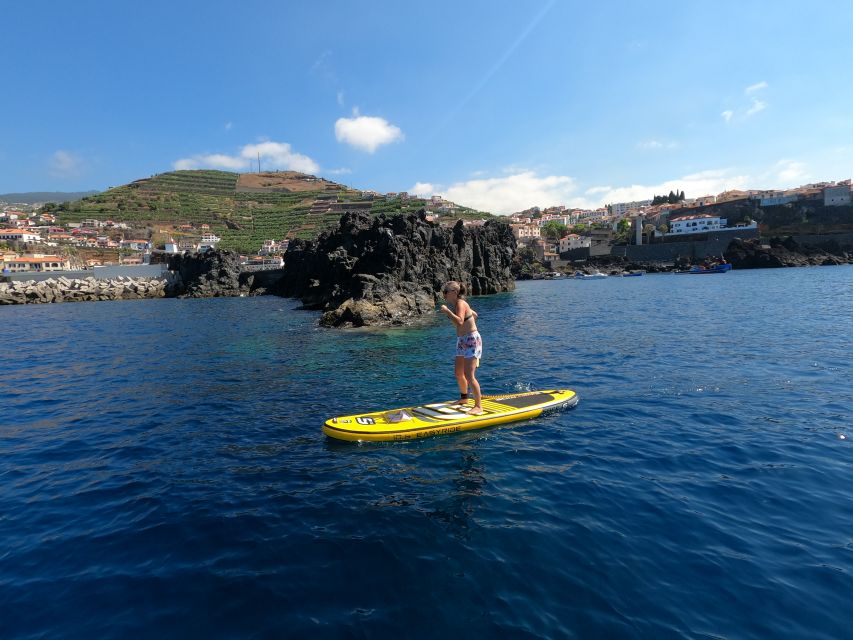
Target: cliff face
208,275
381,271
750,254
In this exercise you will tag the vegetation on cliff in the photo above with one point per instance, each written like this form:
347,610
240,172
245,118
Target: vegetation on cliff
242,209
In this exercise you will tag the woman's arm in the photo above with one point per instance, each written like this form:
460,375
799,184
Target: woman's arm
458,320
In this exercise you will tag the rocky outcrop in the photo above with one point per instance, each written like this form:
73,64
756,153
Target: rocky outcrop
209,275
81,290
785,252
389,270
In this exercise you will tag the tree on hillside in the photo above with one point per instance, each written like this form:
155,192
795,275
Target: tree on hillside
673,197
623,230
554,230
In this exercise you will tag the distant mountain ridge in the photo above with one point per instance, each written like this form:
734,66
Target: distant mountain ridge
34,197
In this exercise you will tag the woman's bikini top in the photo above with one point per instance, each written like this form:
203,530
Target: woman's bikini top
468,317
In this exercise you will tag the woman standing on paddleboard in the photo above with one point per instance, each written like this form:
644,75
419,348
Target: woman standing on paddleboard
469,343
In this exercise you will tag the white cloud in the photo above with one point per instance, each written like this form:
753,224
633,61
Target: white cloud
274,155
791,172
506,194
727,115
755,87
367,133
711,182
64,164
594,190
523,190
423,189
651,145
322,61
757,105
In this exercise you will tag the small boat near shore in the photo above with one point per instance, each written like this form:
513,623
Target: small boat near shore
590,276
699,270
633,274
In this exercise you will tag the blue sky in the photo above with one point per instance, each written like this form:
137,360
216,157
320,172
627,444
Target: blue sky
496,105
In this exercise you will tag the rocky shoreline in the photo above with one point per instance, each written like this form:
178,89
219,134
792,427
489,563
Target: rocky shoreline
385,271
741,254
81,290
389,270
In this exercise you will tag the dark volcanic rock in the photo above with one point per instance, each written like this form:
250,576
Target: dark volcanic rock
387,270
783,252
210,274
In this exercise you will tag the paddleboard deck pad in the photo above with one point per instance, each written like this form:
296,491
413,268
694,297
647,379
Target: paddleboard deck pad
442,418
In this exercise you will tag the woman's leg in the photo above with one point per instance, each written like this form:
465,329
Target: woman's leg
459,370
471,377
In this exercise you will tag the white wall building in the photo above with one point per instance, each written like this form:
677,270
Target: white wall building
17,235
776,199
521,231
574,241
208,241
695,224
35,263
836,196
621,208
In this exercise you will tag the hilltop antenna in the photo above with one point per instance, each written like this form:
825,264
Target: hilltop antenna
259,161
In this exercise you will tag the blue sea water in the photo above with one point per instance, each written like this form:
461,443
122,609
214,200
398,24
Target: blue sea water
164,473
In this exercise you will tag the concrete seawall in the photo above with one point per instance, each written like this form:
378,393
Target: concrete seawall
714,244
82,290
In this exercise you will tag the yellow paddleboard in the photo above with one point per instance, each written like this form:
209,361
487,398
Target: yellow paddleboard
413,423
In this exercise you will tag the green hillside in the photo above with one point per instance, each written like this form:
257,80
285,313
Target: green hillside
242,209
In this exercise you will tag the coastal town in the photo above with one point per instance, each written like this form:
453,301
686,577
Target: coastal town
558,232
35,240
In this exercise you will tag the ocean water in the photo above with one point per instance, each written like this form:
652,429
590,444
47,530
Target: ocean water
164,474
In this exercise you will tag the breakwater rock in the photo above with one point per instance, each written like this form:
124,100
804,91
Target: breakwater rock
389,270
81,290
786,252
212,274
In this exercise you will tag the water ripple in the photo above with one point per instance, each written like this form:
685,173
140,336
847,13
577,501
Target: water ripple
164,474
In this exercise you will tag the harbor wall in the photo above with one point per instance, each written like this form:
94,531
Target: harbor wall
715,245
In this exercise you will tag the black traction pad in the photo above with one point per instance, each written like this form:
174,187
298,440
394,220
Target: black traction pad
524,401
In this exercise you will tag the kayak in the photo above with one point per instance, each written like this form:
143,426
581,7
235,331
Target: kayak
442,418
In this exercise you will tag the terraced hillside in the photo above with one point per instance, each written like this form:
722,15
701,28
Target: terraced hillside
242,209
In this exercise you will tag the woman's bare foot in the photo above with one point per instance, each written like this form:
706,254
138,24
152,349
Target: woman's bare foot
476,411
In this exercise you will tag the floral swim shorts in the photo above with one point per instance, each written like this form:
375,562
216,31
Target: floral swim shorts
470,345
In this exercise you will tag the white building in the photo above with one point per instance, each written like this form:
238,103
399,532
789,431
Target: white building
696,224
521,231
776,198
37,263
574,241
135,245
621,208
836,196
208,241
271,247
18,235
